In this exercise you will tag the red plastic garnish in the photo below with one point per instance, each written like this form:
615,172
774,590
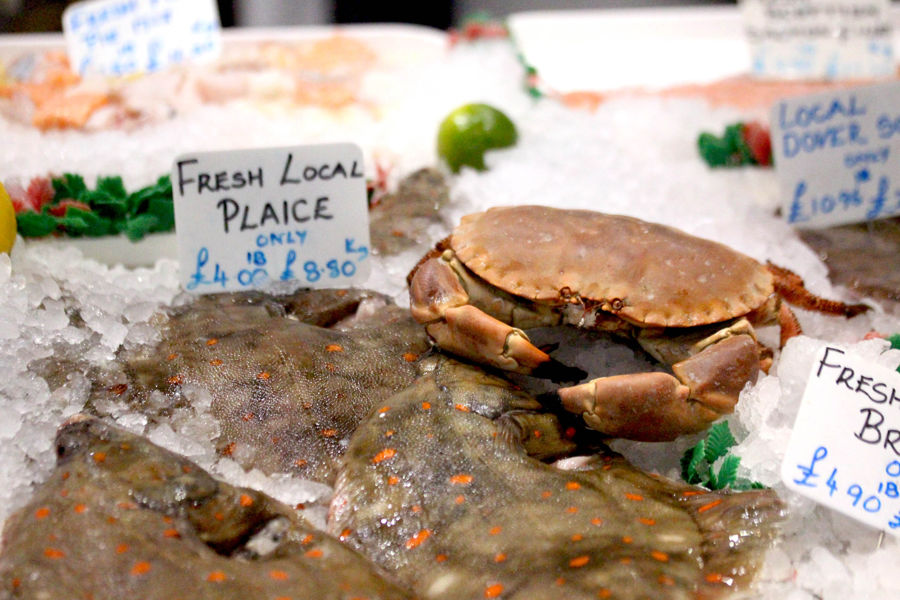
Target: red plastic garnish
760,142
40,192
59,209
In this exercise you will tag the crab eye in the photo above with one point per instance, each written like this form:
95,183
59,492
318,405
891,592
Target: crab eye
617,304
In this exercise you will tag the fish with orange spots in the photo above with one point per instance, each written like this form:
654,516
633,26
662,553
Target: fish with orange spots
400,220
577,528
290,376
231,543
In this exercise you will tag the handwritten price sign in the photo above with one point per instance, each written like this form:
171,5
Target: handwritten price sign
847,494
844,450
819,39
247,218
119,37
837,155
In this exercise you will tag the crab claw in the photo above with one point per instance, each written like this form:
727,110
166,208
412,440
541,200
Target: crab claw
654,407
439,299
638,406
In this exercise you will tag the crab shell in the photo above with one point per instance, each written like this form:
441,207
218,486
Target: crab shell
647,274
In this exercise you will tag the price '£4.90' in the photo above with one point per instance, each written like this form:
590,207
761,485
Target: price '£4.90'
245,219
844,450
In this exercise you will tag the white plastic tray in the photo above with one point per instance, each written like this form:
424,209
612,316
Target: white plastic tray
396,45
599,50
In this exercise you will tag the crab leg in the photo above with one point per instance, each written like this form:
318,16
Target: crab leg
790,286
660,407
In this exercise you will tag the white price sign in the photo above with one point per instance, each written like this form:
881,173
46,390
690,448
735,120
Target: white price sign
121,37
245,219
837,155
844,450
819,39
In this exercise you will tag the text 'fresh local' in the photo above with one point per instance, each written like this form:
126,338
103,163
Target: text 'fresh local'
243,216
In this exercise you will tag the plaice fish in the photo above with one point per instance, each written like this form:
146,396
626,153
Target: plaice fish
438,488
289,376
400,220
123,518
862,256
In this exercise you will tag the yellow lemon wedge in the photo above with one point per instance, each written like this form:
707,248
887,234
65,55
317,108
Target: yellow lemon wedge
469,131
7,221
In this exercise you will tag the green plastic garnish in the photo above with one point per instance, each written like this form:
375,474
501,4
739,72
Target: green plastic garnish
741,144
697,462
469,131
729,150
108,209
32,224
895,343
894,340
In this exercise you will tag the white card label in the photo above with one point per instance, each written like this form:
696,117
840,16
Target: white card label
844,450
819,39
245,219
837,155
121,37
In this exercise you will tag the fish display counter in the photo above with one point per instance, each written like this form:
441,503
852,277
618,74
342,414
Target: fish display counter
575,368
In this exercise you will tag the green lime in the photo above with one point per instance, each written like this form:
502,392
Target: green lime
469,131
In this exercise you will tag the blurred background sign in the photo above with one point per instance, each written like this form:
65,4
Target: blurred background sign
819,39
45,15
121,37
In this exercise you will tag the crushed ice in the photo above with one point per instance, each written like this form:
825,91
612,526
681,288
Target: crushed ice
632,156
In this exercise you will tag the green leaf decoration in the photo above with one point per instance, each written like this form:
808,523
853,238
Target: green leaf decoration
727,472
719,440
894,340
112,209
743,484
895,343
163,210
106,204
734,134
87,223
112,186
32,224
139,200
715,151
711,482
731,149
697,462
69,185
140,226
691,461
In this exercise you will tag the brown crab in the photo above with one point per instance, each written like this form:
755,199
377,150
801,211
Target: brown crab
690,303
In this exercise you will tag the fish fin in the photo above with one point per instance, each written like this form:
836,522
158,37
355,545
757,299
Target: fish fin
732,554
